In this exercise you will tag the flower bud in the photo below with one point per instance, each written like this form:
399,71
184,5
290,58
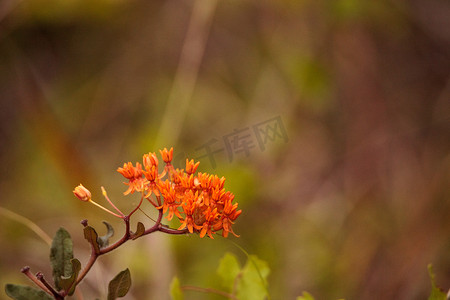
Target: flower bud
82,193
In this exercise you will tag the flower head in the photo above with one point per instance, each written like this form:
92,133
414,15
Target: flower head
198,200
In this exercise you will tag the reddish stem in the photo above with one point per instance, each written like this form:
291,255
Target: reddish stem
137,207
26,271
55,294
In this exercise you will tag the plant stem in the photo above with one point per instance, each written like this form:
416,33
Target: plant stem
137,207
105,209
172,230
28,223
40,281
26,271
110,202
55,294
127,236
122,240
88,266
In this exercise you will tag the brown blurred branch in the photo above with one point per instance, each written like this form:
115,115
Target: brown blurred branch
187,72
28,223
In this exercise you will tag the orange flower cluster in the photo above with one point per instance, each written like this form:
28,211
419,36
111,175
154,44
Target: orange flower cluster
199,200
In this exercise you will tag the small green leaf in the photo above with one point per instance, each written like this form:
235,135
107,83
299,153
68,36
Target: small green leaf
175,289
436,293
61,253
139,230
305,296
91,236
253,285
103,241
21,292
228,270
67,283
119,286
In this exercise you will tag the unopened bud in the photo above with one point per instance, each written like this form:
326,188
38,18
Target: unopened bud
82,193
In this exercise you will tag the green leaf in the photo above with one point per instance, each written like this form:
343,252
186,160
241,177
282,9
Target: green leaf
175,289
103,241
61,253
67,283
253,285
91,236
228,270
305,296
436,293
140,230
21,292
119,286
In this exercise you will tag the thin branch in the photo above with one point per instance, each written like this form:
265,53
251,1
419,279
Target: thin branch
105,209
28,223
55,294
26,271
172,230
145,214
110,202
137,207
126,237
187,72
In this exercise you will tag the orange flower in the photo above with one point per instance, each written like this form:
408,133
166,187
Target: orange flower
177,177
229,215
217,182
82,193
217,194
170,200
134,175
190,204
167,155
129,171
191,167
152,188
150,160
203,181
211,217
151,173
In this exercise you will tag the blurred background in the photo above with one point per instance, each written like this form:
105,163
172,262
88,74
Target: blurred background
329,119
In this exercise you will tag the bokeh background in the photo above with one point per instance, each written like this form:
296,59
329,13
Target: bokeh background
345,196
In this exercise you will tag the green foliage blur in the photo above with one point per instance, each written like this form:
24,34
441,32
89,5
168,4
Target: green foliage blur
350,201
248,282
